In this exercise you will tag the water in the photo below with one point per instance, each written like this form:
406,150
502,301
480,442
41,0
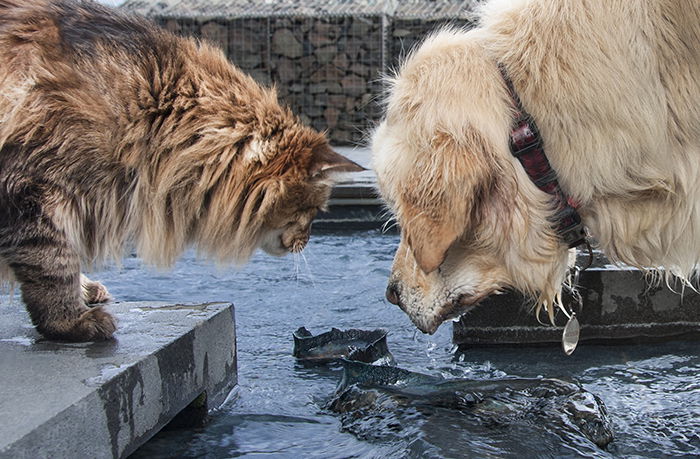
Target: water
652,391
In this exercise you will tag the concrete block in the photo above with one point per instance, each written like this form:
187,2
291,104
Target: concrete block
105,399
619,305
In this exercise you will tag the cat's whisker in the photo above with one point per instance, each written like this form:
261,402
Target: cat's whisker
308,269
386,211
296,266
389,224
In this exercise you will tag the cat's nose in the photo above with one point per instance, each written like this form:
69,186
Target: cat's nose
392,294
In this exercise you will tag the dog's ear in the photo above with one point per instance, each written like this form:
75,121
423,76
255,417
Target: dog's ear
434,214
429,238
437,203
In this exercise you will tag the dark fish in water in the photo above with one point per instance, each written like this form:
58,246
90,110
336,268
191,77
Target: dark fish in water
376,401
360,345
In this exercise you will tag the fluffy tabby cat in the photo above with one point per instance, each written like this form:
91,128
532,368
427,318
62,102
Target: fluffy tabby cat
114,132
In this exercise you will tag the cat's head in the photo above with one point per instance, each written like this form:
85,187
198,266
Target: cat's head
279,178
300,194
244,171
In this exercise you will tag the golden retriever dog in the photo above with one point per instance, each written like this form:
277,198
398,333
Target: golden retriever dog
614,88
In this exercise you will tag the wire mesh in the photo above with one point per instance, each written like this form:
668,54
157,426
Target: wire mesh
326,59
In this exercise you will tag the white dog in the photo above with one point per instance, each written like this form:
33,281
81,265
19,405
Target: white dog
614,87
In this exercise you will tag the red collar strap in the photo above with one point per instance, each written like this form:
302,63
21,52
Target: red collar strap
526,145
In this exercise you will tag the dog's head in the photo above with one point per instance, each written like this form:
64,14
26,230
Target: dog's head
472,223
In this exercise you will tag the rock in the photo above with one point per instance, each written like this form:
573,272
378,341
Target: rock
306,99
326,54
321,100
215,32
341,61
337,100
324,33
361,27
307,65
352,105
334,88
261,76
248,61
286,44
374,46
360,69
314,111
283,22
318,124
322,54
353,85
328,72
325,87
331,114
306,24
362,345
366,100
305,119
362,54
248,38
381,400
342,136
285,71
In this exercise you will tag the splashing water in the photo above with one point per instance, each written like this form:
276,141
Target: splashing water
652,392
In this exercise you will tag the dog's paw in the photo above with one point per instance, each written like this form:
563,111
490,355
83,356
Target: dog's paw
93,292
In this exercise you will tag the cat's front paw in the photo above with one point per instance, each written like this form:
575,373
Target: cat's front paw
96,324
93,291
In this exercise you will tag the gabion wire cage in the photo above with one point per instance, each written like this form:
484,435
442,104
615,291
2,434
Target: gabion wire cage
326,58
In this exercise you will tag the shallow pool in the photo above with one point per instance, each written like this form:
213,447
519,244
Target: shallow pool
652,392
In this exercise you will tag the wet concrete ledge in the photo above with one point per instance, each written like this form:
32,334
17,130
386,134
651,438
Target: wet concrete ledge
619,306
104,400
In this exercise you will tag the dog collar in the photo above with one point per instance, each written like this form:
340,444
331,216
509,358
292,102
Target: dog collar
526,145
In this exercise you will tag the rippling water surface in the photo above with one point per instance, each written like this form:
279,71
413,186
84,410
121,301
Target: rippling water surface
652,391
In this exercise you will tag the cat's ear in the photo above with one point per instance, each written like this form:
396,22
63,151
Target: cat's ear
325,161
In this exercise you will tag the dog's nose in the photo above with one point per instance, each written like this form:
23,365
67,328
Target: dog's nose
392,295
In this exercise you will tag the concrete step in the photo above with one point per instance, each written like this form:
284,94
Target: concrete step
354,202
619,305
105,399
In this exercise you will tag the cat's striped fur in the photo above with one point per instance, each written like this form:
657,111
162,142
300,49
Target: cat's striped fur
116,133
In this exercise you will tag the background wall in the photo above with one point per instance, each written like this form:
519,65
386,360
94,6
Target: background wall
327,59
